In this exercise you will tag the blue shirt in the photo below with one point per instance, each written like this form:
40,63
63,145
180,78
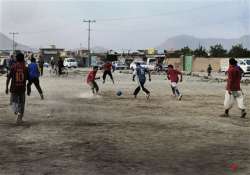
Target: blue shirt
140,72
33,71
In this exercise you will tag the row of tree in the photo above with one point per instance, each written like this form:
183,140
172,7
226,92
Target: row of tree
214,51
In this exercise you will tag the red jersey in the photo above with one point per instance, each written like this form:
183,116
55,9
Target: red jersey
172,75
91,76
234,76
19,75
107,67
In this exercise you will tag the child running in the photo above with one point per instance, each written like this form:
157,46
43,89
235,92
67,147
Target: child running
173,76
18,76
107,70
34,77
140,73
233,90
91,77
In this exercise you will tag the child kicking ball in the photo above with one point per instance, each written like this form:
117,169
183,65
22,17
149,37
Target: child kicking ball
91,77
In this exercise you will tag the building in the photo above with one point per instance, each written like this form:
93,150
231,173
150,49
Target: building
47,53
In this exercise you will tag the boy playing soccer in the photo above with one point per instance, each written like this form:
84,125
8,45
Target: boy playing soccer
34,77
107,71
91,80
233,90
140,72
18,76
173,76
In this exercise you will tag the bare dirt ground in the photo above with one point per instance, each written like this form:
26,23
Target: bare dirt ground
72,132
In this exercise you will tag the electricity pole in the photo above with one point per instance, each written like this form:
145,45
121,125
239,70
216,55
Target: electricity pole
89,54
13,36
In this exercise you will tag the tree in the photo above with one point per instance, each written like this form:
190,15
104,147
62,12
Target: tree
186,51
200,52
217,51
238,51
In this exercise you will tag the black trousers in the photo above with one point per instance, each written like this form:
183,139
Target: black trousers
18,102
137,90
37,84
105,74
41,70
94,87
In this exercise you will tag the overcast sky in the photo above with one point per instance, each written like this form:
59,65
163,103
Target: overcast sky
121,24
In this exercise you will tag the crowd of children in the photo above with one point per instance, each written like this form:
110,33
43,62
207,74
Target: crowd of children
19,74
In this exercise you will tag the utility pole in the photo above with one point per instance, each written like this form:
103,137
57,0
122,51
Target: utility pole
89,54
13,36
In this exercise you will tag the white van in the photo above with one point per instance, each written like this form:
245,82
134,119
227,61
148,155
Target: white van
133,64
244,64
151,63
70,62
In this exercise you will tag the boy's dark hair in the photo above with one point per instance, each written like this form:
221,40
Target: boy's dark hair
33,60
232,61
20,57
170,66
138,64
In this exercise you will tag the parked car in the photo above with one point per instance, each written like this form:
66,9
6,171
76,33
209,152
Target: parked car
100,65
133,64
164,67
244,64
3,65
70,62
161,68
119,65
151,63
46,64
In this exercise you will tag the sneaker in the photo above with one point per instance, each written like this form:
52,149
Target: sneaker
42,97
243,114
19,118
179,97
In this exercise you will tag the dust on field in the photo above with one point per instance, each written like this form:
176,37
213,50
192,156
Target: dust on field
75,132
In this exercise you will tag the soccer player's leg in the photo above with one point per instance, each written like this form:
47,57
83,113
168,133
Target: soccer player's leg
38,87
137,90
29,87
104,76
228,104
241,105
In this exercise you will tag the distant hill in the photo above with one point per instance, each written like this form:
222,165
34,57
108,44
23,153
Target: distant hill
6,44
192,42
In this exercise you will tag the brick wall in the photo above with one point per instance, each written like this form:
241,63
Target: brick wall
200,64
176,62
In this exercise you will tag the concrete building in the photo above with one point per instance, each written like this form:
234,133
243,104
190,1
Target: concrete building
47,53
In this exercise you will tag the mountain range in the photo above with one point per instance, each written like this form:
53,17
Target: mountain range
172,43
192,42
7,44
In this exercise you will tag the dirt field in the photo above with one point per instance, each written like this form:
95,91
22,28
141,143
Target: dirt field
72,132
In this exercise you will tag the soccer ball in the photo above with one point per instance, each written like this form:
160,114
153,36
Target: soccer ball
119,93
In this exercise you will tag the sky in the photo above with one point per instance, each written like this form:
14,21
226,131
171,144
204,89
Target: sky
121,24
